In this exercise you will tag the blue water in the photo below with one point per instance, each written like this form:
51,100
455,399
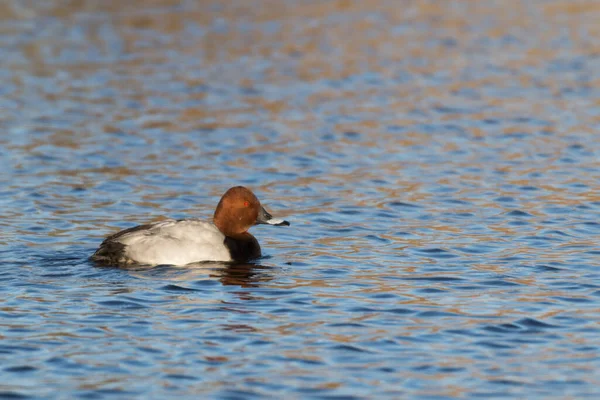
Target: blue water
438,162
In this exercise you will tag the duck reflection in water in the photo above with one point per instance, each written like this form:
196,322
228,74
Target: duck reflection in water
236,274
244,275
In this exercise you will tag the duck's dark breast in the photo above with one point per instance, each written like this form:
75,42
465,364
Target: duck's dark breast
243,249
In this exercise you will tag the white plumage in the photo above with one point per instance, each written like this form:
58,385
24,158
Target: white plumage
175,242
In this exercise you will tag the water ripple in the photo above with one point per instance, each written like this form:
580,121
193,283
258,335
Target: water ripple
442,198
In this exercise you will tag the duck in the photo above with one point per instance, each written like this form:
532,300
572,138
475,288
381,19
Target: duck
191,240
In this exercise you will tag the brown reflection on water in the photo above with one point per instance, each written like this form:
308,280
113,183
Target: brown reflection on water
307,42
309,38
130,113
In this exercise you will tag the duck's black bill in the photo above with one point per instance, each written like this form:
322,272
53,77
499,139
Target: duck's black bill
265,218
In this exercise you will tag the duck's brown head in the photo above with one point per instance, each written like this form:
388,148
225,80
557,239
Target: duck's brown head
238,210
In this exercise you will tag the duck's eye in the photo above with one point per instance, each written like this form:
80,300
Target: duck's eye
246,204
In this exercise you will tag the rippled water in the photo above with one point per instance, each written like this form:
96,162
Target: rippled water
438,162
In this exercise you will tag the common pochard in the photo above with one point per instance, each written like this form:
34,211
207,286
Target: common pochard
180,242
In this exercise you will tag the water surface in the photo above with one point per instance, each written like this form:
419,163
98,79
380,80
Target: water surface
438,162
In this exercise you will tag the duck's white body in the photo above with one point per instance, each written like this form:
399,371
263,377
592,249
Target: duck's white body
176,242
